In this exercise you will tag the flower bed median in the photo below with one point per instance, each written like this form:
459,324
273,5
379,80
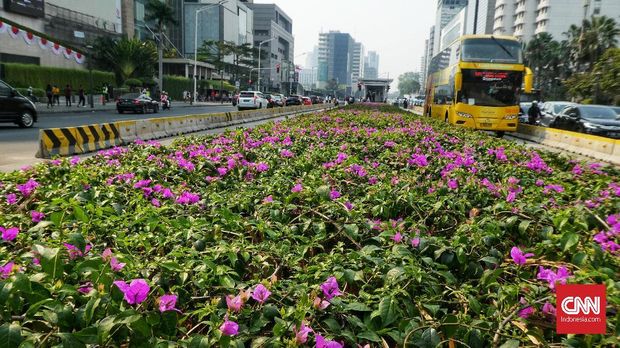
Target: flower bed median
360,226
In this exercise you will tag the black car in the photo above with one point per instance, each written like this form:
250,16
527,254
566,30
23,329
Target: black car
294,100
15,108
616,109
136,102
591,119
550,111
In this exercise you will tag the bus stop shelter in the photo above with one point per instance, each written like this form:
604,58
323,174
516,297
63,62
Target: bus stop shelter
374,90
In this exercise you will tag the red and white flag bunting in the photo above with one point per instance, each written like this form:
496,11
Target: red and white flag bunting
43,43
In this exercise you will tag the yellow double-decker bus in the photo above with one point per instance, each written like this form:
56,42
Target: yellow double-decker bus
476,82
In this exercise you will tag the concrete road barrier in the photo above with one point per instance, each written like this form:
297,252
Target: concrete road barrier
601,148
83,139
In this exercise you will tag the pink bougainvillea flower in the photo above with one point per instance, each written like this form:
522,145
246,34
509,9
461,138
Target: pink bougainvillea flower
548,309
261,293
222,171
348,206
453,184
85,288
7,269
106,255
167,303
419,160
297,188
553,277
287,153
11,199
397,238
74,160
36,261
323,343
28,188
320,304
116,266
234,303
330,288
229,328
75,252
37,216
518,256
526,312
415,242
334,195
268,199
9,234
188,198
262,167
135,292
301,333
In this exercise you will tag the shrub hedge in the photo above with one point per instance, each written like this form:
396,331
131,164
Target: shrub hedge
24,75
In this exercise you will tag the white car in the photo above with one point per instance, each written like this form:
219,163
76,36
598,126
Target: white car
251,100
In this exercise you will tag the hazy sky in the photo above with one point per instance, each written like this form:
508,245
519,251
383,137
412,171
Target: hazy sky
396,29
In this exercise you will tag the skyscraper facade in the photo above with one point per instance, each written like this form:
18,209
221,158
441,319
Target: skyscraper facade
335,56
371,65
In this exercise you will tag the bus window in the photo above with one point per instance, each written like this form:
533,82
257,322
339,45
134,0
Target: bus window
491,88
492,50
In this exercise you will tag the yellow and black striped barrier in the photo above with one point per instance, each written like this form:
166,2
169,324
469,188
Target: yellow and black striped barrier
89,138
75,140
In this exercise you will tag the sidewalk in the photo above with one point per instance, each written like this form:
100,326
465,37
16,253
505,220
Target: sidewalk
62,109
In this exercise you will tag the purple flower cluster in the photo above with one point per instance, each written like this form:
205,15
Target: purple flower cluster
609,240
552,277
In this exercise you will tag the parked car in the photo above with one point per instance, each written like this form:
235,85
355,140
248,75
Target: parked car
294,100
15,108
251,100
550,111
306,101
524,107
316,99
136,102
279,99
616,109
591,119
418,101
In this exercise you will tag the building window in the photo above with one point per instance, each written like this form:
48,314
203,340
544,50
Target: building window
261,32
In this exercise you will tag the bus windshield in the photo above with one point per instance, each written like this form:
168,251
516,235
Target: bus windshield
491,87
492,50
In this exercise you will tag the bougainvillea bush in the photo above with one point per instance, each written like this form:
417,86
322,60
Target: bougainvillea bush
356,227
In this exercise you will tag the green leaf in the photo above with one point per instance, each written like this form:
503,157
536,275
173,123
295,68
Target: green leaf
50,260
78,241
79,213
358,307
171,266
569,240
352,230
10,335
510,344
387,311
524,225
199,342
449,328
370,336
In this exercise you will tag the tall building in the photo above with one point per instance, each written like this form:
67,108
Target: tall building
446,10
270,21
335,56
357,63
312,58
526,18
55,32
308,77
371,65
232,21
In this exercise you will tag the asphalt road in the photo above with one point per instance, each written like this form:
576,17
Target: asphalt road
18,146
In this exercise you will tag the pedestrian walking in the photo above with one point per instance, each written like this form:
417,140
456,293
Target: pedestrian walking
82,101
68,95
56,93
104,90
405,104
49,95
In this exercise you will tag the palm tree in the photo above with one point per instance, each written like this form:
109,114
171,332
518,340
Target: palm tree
590,41
160,12
127,58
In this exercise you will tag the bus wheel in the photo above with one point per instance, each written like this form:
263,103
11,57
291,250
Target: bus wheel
500,134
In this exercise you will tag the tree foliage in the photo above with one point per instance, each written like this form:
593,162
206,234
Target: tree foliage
409,83
602,84
127,58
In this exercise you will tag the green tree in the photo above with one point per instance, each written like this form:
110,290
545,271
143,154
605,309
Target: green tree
590,41
545,57
127,58
602,84
163,15
409,83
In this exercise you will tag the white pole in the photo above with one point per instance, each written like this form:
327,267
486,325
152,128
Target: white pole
195,54
259,52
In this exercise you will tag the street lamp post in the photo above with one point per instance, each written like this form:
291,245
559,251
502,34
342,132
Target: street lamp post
220,3
91,99
259,59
